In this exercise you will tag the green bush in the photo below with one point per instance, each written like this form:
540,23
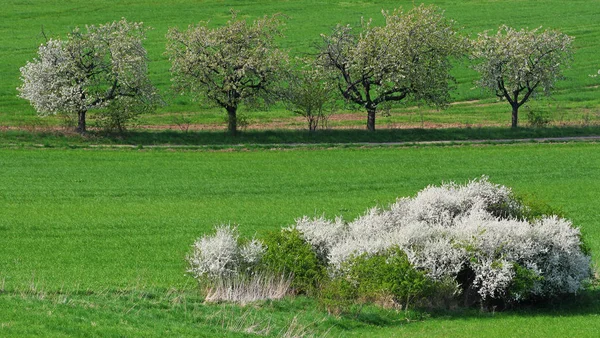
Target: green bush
538,119
384,278
523,282
338,295
116,120
288,253
535,209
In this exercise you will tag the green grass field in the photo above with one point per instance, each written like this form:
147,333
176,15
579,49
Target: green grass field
576,99
93,241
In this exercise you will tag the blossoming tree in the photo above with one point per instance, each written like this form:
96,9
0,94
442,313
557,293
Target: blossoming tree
407,57
517,64
103,69
228,65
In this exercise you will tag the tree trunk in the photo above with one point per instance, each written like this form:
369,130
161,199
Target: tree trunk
313,123
371,118
232,120
81,122
515,115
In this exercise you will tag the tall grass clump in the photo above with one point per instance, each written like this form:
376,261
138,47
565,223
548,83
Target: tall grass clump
228,269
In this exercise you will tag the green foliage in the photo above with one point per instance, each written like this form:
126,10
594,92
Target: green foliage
523,281
116,120
535,208
538,119
307,92
337,295
288,253
387,279
387,274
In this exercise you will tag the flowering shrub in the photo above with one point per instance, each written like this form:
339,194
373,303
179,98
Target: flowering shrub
230,269
477,238
473,233
222,256
236,270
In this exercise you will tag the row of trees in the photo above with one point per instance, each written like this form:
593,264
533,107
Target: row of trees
407,58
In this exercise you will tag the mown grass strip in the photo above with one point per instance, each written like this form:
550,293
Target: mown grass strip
11,138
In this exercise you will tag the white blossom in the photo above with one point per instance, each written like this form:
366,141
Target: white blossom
215,256
228,65
408,57
251,253
221,255
321,233
516,64
103,69
447,229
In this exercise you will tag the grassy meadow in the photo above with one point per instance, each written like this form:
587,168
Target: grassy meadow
93,240
575,102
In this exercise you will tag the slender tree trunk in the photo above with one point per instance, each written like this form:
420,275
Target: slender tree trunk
312,124
515,115
232,120
371,118
81,122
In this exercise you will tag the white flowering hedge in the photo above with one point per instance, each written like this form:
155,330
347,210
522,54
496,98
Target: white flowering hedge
475,234
473,230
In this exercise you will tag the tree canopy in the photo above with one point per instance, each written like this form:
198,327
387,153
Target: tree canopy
515,64
103,69
228,65
408,57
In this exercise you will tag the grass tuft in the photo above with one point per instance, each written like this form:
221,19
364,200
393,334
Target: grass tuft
243,290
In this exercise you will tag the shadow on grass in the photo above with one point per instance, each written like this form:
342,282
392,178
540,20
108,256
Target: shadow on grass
586,303
345,136
271,137
185,307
